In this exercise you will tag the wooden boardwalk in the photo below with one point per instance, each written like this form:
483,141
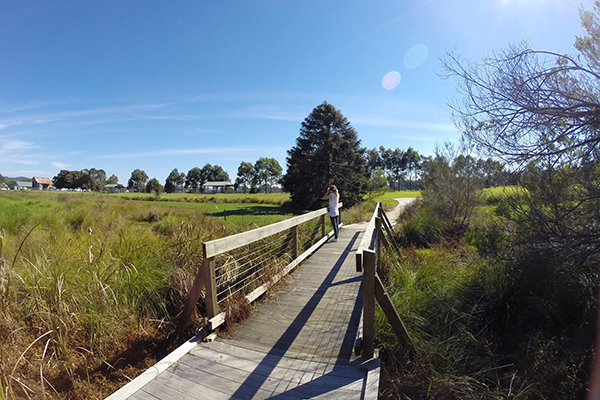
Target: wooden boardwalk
297,344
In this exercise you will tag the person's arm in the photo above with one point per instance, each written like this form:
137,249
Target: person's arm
327,196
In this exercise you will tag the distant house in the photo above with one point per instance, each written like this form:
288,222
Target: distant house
114,188
24,185
214,186
39,183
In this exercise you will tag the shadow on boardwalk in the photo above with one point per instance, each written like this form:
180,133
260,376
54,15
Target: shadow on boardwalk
297,344
264,369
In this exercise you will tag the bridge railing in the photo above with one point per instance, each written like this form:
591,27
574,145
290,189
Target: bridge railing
244,266
379,235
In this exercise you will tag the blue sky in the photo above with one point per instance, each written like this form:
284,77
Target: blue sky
158,85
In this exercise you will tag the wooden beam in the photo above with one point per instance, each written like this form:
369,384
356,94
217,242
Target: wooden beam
359,260
366,242
212,306
389,230
385,218
295,242
223,245
380,236
394,319
190,302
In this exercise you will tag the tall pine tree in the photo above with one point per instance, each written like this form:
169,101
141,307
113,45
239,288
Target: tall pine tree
327,152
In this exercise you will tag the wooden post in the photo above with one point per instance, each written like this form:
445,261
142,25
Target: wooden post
208,271
190,302
295,242
359,261
369,262
323,230
378,233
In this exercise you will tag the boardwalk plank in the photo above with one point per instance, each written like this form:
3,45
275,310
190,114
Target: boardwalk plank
275,381
297,344
273,369
176,388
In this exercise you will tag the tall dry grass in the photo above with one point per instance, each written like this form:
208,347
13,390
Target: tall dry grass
88,288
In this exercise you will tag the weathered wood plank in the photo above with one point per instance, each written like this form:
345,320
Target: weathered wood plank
151,373
234,382
366,240
208,270
224,351
238,369
175,387
371,391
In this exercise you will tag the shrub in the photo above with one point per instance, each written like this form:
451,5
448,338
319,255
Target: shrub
452,186
422,229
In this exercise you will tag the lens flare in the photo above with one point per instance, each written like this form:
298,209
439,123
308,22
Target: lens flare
416,56
391,80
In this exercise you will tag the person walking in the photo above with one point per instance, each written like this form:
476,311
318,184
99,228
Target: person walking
334,214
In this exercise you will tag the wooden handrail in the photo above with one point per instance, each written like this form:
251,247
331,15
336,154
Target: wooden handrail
223,245
373,289
367,239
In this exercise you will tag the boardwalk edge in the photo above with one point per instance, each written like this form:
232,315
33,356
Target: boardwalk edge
152,372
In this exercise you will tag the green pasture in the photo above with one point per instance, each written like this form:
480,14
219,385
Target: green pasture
501,191
401,194
243,198
236,212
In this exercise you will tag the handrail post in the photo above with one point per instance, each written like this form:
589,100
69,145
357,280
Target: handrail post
190,302
323,230
378,234
295,242
212,305
359,261
369,262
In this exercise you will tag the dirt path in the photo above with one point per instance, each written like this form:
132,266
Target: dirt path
402,203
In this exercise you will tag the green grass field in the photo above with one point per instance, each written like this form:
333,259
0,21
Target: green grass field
402,194
254,198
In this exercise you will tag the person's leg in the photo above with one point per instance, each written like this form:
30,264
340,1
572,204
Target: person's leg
336,226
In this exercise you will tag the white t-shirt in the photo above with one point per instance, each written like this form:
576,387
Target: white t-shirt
333,205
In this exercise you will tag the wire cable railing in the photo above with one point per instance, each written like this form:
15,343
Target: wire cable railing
249,263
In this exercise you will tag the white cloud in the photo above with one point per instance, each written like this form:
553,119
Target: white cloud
11,145
178,152
128,112
59,165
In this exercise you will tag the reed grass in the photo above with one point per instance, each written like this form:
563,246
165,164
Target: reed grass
483,329
89,285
